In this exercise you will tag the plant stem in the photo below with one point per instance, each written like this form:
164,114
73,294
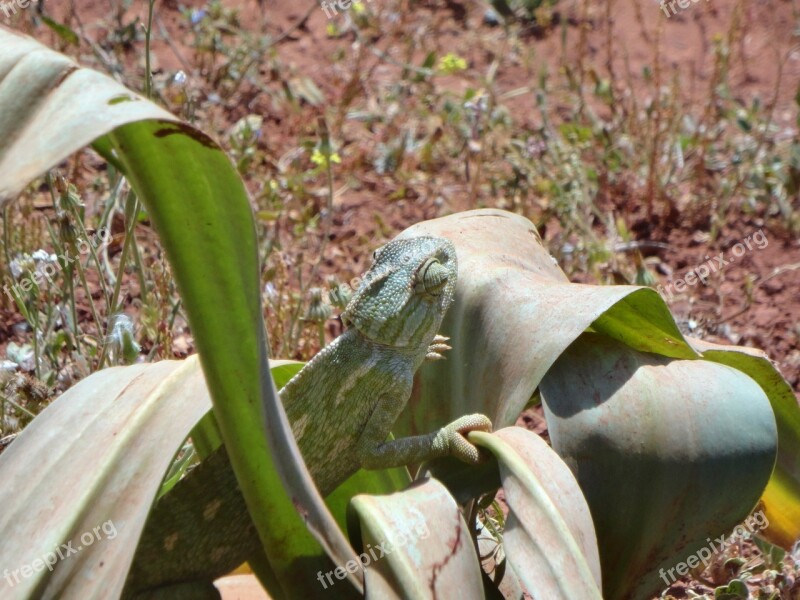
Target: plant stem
131,209
148,90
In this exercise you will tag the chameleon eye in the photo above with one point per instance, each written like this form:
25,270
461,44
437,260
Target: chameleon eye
432,277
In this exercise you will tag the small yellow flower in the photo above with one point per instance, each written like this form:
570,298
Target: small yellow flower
358,8
319,159
451,63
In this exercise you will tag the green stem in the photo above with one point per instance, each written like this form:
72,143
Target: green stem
6,237
131,210
137,262
148,91
92,250
321,330
35,314
17,405
68,273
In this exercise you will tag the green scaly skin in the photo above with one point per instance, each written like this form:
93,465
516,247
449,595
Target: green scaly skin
341,406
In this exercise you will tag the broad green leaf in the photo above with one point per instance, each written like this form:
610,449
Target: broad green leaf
181,505
206,437
50,108
380,481
549,537
668,453
283,370
214,261
138,415
514,313
415,545
642,321
95,456
781,499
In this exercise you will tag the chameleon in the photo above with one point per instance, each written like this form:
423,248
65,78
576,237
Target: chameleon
341,406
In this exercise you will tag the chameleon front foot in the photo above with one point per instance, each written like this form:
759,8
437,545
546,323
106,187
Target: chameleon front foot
437,348
451,439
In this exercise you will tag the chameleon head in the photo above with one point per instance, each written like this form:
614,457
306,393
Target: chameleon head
406,292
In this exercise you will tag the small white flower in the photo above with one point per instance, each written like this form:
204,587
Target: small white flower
121,339
16,269
22,265
198,14
42,256
8,366
270,292
21,355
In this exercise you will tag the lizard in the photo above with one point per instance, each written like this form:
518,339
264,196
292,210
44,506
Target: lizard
341,406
